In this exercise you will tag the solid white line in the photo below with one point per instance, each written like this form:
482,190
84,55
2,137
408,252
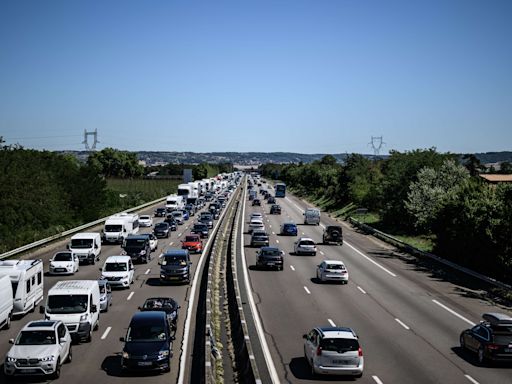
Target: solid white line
130,296
402,324
471,379
257,321
105,334
369,259
377,380
307,290
453,312
292,267
361,289
149,270
331,322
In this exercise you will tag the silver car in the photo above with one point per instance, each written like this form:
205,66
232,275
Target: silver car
333,351
105,295
304,246
40,348
332,270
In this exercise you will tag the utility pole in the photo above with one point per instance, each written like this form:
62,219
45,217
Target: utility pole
94,134
376,143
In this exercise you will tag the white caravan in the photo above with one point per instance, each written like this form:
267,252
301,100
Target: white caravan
184,190
77,304
175,203
87,246
6,302
119,226
27,283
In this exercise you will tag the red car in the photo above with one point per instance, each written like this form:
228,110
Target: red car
193,243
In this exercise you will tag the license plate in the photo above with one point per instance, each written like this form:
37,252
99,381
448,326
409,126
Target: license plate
271,264
30,370
144,363
60,270
341,362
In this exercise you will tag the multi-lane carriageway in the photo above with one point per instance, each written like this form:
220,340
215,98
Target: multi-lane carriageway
408,321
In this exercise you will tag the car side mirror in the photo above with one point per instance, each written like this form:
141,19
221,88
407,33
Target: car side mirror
41,309
94,308
67,246
282,253
121,339
99,269
139,308
304,336
11,341
62,340
51,260
173,338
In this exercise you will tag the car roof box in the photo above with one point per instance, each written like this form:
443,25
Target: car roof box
498,318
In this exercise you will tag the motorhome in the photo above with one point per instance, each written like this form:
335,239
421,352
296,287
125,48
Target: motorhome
77,304
87,246
6,302
26,281
184,190
194,193
175,202
119,226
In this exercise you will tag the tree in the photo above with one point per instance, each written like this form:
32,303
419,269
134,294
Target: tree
472,164
111,162
200,171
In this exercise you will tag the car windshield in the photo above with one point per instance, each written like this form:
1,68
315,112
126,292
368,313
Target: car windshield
146,332
174,260
157,303
289,226
102,288
339,345
271,252
200,227
81,243
135,243
115,267
177,214
36,338
335,266
161,226
63,257
144,217
191,238
113,228
60,304
307,242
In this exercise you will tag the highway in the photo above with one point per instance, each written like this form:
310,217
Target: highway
408,321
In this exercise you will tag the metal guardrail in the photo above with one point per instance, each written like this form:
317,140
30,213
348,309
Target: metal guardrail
415,251
57,236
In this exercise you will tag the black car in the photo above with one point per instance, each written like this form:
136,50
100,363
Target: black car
160,212
256,202
271,200
175,266
166,304
173,225
270,257
333,234
275,209
206,218
491,339
162,230
191,209
148,343
201,229
138,248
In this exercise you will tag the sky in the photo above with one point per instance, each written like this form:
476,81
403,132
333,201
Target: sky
313,76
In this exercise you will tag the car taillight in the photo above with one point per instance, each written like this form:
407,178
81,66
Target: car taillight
493,347
319,351
360,352
343,272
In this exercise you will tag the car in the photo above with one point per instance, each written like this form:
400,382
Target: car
214,211
138,248
256,224
201,229
105,295
186,215
333,234
255,215
118,270
166,304
275,209
270,257
289,229
491,339
206,218
173,225
175,266
161,230
64,262
259,238
256,202
160,212
334,351
191,209
148,343
153,241
178,216
40,348
271,199
145,221
304,246
332,270
193,243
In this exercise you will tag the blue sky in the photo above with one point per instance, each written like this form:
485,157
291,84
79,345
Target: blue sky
297,76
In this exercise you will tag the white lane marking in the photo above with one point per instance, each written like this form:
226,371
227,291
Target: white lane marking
377,380
307,290
277,241
303,233
268,220
331,322
171,243
149,270
273,233
361,289
179,234
471,379
186,227
130,296
270,225
402,324
292,267
453,312
322,253
257,321
370,260
105,334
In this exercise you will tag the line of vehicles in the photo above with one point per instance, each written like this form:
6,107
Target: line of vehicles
71,311
336,350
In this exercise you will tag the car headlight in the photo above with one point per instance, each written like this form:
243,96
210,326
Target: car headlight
103,277
126,355
143,252
163,354
48,358
83,317
10,359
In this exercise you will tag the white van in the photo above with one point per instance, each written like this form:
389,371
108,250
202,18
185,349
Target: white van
6,302
77,304
118,271
27,283
312,216
175,202
87,246
119,226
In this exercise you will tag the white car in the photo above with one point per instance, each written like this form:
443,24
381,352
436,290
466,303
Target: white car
118,271
255,215
304,246
145,221
64,262
332,270
256,224
40,348
153,242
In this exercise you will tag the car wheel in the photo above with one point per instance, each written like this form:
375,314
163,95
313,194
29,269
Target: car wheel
313,372
56,373
88,339
70,355
481,356
462,342
8,321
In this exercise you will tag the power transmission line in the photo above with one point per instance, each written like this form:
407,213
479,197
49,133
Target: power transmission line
94,134
376,143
